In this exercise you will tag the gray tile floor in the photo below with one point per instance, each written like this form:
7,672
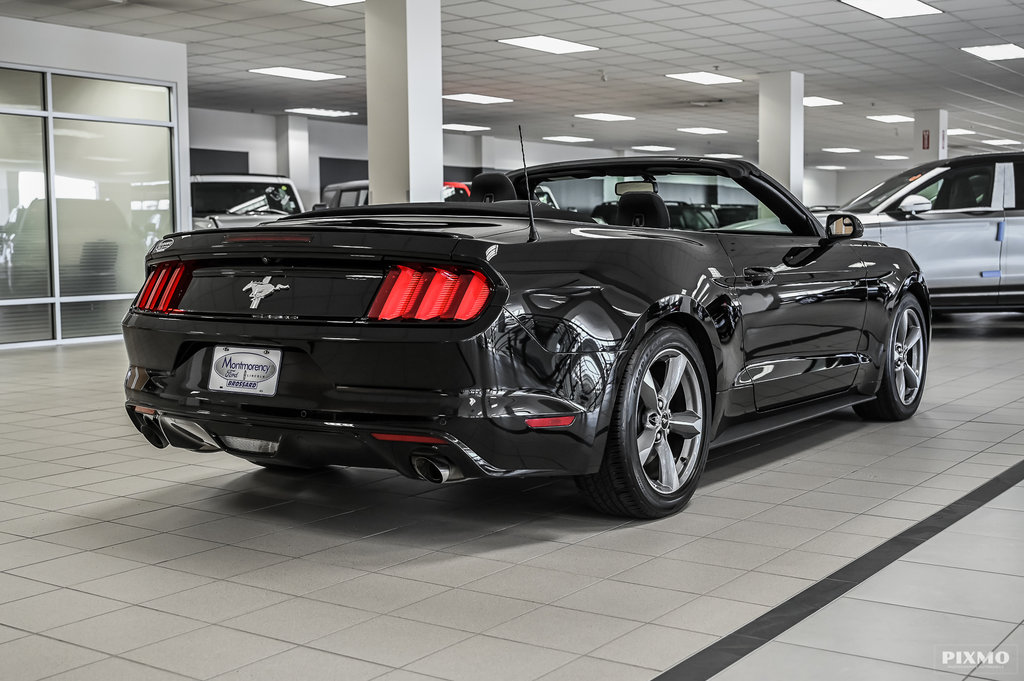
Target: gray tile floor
121,561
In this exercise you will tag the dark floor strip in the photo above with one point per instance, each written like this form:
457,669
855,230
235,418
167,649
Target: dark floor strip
747,639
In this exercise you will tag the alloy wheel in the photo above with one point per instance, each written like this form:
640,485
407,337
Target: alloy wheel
670,421
908,355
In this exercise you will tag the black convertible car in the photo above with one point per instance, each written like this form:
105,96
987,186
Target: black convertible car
504,337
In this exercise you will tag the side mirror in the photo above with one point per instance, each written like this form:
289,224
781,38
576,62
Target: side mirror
914,204
843,226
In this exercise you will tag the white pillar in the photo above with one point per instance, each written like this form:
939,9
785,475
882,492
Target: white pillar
403,100
293,156
930,138
781,128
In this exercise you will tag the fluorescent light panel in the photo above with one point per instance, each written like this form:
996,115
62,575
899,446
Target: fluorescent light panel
891,157
313,111
891,118
996,52
606,117
545,43
841,150
704,78
653,148
960,131
571,139
703,131
893,9
476,99
299,74
333,3
723,155
821,101
831,167
462,127
1001,143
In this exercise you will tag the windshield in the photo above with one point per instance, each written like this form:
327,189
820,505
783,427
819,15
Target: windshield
880,193
212,198
695,201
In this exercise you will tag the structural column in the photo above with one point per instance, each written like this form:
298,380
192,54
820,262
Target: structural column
781,128
403,100
293,155
930,138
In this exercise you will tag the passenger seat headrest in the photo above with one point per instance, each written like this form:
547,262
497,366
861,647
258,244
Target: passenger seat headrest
642,209
491,187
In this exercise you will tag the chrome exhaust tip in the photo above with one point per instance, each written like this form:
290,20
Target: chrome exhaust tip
187,435
437,471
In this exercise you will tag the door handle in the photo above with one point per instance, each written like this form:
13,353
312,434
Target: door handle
758,275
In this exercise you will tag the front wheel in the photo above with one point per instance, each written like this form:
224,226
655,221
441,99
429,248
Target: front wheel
658,441
906,362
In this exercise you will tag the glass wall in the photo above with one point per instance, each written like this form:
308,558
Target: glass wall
86,187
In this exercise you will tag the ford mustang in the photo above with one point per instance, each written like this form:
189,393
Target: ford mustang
505,337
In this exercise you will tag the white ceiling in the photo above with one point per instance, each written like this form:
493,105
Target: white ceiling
875,66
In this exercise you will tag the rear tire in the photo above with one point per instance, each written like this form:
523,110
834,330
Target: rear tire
658,440
905,366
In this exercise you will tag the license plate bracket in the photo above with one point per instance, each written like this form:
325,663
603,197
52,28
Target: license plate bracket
249,371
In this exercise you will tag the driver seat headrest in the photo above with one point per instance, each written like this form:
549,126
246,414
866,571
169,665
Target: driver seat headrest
491,187
642,209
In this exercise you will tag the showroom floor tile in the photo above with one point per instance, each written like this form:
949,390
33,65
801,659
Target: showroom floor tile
118,560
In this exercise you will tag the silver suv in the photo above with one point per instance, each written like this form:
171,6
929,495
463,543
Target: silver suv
963,221
241,200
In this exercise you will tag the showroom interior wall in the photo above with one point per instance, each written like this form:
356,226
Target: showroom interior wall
256,135
93,162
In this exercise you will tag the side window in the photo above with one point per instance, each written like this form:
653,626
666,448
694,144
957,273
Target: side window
961,188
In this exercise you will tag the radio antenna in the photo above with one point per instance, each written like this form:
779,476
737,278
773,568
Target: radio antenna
526,176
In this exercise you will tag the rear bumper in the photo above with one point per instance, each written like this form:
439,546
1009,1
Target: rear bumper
475,395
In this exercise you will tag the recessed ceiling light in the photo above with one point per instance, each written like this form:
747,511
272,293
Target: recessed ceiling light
996,52
723,155
891,157
960,131
300,74
653,148
333,3
548,44
313,111
841,150
891,118
703,131
568,138
831,167
704,78
1001,143
606,117
462,127
476,99
893,9
821,101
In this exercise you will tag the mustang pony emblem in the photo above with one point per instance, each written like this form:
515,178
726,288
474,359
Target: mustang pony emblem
258,290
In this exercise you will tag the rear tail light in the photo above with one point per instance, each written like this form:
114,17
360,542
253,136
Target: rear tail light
429,293
164,287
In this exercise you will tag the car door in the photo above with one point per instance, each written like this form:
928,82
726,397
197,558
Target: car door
1011,283
956,241
802,308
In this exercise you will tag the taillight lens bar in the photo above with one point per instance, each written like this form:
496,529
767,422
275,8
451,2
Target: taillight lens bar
164,287
429,293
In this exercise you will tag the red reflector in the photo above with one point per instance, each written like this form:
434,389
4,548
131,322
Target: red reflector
428,293
145,410
550,421
261,238
398,437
